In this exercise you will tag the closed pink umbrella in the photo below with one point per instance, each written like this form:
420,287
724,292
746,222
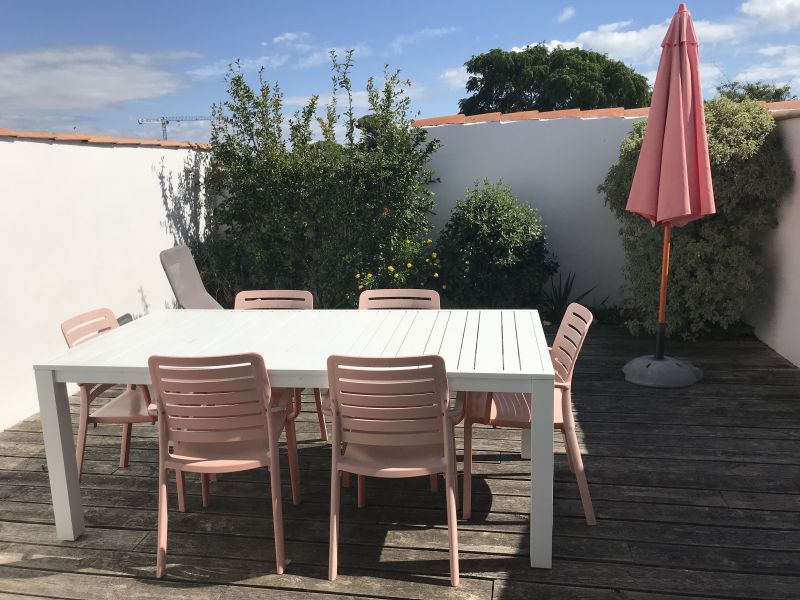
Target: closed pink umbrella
672,184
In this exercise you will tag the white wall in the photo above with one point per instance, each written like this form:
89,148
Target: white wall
777,316
555,165
82,228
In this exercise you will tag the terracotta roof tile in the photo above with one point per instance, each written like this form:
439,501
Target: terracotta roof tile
602,112
88,138
521,115
446,120
785,105
560,114
483,118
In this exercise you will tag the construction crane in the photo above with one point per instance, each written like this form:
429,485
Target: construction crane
167,120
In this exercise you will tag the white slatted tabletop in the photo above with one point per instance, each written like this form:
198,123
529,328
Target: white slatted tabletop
484,350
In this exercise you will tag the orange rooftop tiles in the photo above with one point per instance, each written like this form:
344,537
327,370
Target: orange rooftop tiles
96,139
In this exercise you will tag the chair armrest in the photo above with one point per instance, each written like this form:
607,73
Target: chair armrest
93,390
456,412
561,386
152,410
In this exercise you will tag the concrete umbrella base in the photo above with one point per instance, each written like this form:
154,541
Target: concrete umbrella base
665,373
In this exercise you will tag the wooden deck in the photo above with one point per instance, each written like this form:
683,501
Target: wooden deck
697,494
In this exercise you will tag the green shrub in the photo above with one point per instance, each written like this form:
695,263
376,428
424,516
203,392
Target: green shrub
294,211
495,250
716,268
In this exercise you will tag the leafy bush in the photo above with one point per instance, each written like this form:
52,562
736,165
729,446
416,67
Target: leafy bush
293,212
716,268
495,250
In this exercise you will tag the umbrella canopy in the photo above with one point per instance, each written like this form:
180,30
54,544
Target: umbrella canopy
672,184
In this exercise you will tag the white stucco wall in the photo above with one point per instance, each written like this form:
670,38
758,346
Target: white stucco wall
776,318
82,228
555,165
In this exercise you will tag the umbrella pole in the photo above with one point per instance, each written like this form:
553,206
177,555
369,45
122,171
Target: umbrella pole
661,327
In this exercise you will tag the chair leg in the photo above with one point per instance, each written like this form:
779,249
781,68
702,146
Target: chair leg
570,464
161,550
294,469
323,430
277,512
362,491
452,523
180,483
467,504
80,445
345,479
583,486
125,448
213,477
434,483
333,539
204,490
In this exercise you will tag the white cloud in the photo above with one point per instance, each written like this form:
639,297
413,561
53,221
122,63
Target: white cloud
322,56
360,99
455,78
222,66
65,78
566,14
783,68
402,41
291,37
777,14
710,76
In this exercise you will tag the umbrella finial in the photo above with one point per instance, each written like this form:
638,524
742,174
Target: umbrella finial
682,7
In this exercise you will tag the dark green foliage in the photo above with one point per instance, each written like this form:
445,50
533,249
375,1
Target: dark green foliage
757,90
558,296
717,268
540,79
494,250
292,212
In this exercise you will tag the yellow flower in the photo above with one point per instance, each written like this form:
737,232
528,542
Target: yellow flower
436,275
408,241
444,287
391,269
369,275
358,275
434,255
429,241
361,287
409,265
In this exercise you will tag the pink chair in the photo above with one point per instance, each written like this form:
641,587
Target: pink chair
514,410
218,415
389,299
404,298
283,299
127,408
391,419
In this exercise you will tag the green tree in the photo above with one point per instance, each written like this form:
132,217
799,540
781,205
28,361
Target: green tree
755,90
296,209
541,79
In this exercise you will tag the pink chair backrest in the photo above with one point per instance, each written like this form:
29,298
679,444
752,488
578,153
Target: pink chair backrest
184,278
216,399
407,298
389,401
84,327
569,340
274,299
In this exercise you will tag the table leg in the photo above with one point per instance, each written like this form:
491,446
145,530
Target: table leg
541,518
524,444
60,450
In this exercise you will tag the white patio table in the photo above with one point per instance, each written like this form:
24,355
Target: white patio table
484,350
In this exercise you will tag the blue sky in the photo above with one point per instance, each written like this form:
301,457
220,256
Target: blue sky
98,66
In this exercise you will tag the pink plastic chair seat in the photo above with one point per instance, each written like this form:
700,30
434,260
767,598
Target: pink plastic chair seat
377,461
129,407
510,409
210,458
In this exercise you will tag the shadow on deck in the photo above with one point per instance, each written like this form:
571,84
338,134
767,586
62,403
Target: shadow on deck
697,494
